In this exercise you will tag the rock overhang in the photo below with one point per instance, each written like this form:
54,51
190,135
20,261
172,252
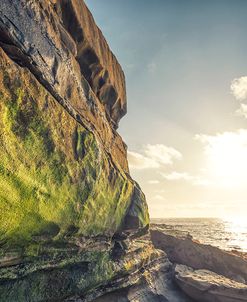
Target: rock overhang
61,36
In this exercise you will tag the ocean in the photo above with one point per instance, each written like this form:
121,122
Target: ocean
225,234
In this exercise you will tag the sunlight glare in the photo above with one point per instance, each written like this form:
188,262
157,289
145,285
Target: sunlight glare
226,158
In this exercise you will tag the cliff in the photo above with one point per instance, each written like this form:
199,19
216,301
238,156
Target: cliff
71,217
74,225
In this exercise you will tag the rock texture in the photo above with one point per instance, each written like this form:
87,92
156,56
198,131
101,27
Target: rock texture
60,42
199,256
206,286
155,285
98,65
203,272
72,220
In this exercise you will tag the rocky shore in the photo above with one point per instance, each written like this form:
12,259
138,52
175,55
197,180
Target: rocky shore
205,273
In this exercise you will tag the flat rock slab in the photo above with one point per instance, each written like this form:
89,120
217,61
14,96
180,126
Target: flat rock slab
200,256
206,286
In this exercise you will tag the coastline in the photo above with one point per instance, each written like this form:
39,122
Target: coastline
226,234
202,271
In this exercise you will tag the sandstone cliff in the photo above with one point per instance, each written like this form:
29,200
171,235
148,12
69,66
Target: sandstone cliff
73,223
70,214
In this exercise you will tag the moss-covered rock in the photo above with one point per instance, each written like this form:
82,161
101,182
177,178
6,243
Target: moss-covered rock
65,189
53,172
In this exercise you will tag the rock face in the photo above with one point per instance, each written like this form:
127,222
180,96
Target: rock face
60,42
156,285
206,286
199,256
97,64
71,217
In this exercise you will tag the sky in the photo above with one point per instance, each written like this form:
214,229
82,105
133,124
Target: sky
186,128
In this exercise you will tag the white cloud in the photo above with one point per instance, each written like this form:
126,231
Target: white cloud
153,156
178,176
226,157
139,161
239,88
225,161
201,181
153,182
162,154
159,197
242,111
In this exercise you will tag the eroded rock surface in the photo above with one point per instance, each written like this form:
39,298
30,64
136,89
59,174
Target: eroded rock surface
155,285
60,42
72,220
98,65
206,286
199,256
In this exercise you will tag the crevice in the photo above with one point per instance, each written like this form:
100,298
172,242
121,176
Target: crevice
23,60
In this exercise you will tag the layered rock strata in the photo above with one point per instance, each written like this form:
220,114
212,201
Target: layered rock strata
200,256
205,273
72,219
206,286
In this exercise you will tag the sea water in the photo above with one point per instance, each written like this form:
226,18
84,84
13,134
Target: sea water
222,233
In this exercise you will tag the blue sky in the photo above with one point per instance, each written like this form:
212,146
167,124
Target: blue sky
180,58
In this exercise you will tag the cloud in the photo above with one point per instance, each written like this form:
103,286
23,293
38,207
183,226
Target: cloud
159,197
139,161
242,111
178,176
222,141
239,88
153,182
226,158
162,154
153,156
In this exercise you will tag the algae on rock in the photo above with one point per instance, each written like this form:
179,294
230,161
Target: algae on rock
53,172
68,205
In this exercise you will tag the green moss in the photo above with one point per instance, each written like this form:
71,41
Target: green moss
67,274
52,170
101,269
56,182
73,275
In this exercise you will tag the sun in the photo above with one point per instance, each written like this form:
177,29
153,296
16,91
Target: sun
236,226
226,160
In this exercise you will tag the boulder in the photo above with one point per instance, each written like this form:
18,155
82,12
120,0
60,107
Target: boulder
207,286
200,256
